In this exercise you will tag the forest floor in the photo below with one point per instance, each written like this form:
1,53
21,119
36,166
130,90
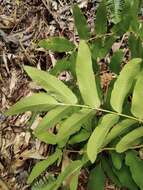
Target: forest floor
22,24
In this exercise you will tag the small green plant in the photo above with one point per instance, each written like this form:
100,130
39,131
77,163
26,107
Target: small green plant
106,127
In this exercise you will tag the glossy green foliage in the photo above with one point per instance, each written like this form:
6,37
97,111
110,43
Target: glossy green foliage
136,167
100,47
128,17
115,8
117,159
116,60
43,181
65,64
57,44
85,76
36,102
81,136
80,23
96,178
125,178
61,65
101,19
97,138
43,165
107,167
53,117
135,45
126,142
71,169
50,120
137,108
46,136
51,84
74,180
119,129
124,83
73,123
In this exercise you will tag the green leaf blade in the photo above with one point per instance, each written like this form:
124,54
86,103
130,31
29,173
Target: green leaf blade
137,107
117,159
60,66
119,129
42,165
125,142
80,23
97,138
81,136
74,181
101,19
36,102
73,123
57,44
124,83
85,76
136,167
96,179
125,178
107,167
49,121
46,137
53,117
71,169
116,60
51,84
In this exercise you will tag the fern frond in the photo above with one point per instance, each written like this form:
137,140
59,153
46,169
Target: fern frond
43,182
115,8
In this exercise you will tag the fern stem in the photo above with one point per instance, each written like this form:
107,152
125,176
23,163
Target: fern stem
103,110
104,149
100,36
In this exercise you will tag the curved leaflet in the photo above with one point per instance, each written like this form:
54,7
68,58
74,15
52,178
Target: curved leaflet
124,83
71,169
125,178
85,76
51,84
117,159
81,136
57,44
96,178
101,19
73,123
119,129
42,166
124,143
97,138
137,106
136,167
53,117
107,167
80,23
36,102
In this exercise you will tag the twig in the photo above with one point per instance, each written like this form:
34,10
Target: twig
100,36
25,53
75,151
47,7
